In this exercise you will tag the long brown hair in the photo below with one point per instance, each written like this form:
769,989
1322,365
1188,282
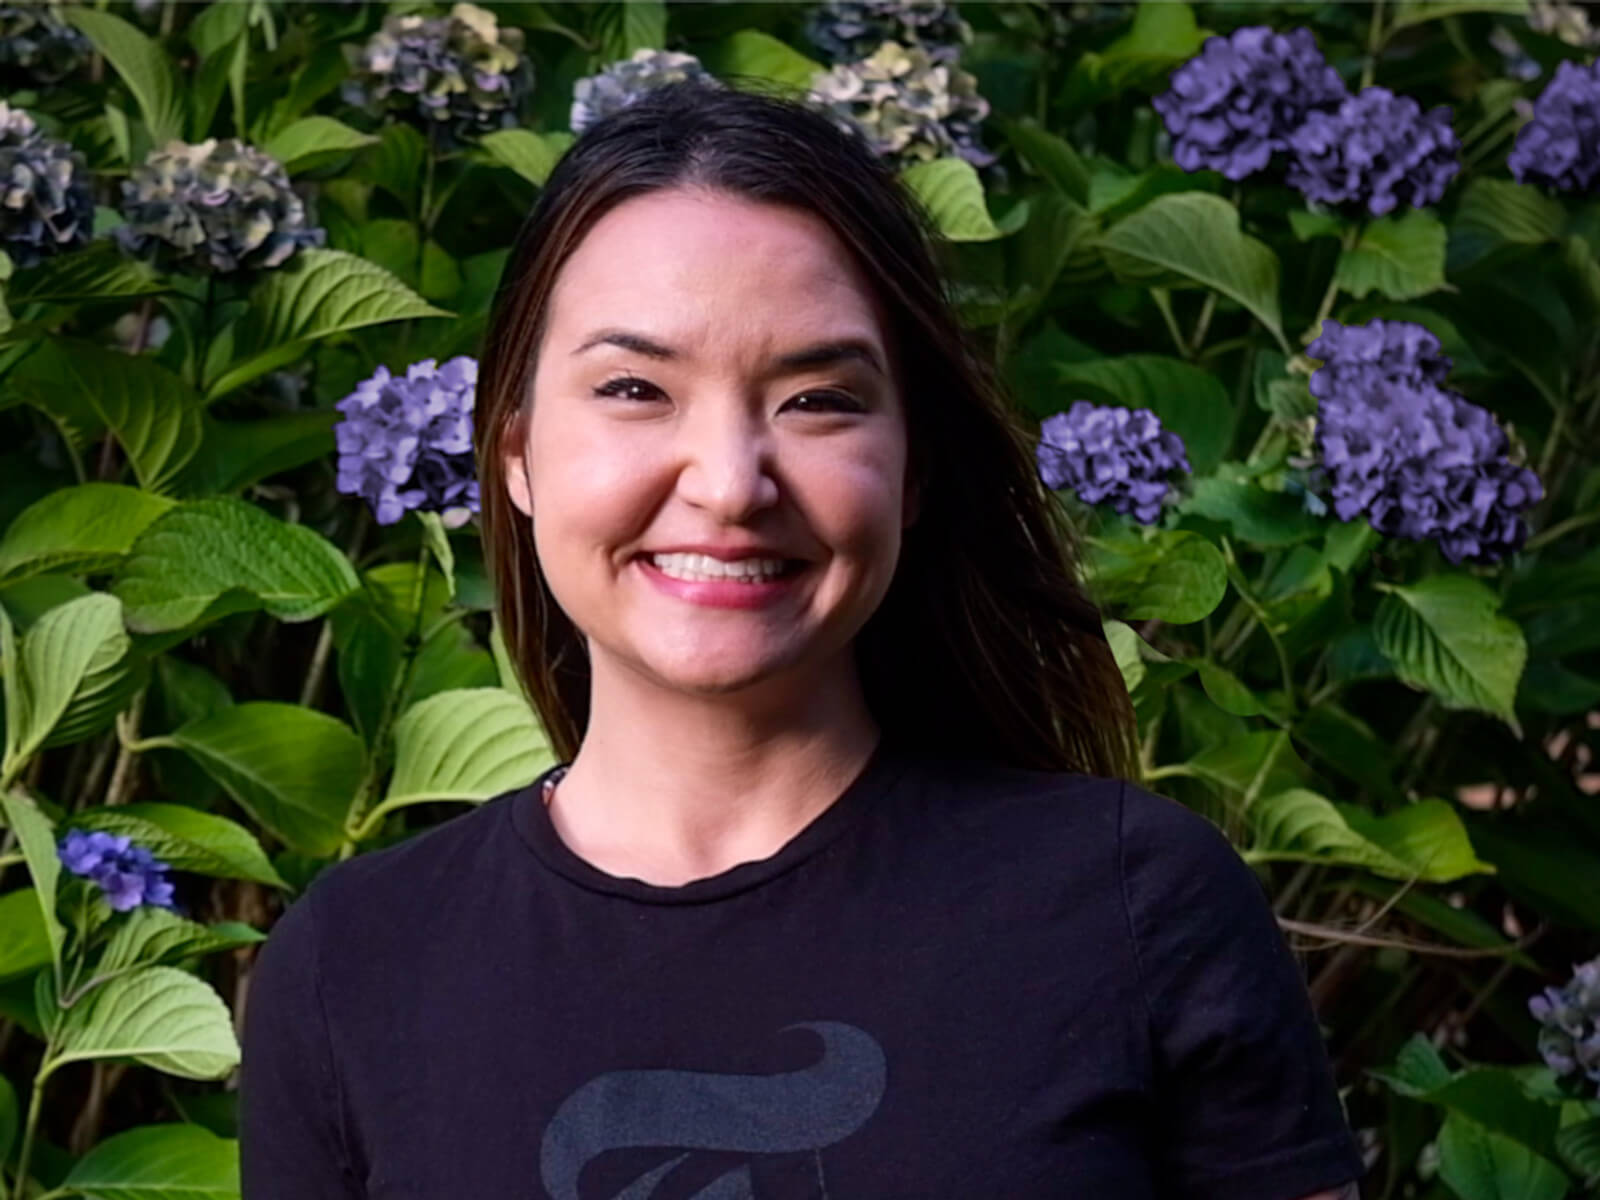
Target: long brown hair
985,644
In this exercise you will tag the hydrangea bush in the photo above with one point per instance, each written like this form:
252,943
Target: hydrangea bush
1297,308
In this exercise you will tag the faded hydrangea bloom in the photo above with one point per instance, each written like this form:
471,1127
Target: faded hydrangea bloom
624,81
908,108
216,206
406,441
37,47
129,875
1417,460
1560,146
462,71
46,204
1107,454
1568,22
1234,105
1377,152
850,30
1569,1027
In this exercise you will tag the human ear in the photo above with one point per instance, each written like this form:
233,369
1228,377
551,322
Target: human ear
514,464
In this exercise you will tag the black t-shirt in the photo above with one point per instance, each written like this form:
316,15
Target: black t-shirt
959,981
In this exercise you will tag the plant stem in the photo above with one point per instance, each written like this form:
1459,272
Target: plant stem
1202,324
203,347
35,1099
1325,308
1375,39
122,775
1163,300
1561,529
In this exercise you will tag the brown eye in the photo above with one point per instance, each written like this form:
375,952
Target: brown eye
836,401
617,386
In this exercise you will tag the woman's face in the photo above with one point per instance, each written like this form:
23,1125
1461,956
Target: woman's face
664,415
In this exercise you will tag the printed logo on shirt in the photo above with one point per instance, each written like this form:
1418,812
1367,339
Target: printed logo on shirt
793,1113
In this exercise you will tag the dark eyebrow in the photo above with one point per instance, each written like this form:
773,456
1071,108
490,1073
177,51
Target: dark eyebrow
820,355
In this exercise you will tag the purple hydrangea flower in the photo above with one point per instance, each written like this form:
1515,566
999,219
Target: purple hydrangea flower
1376,152
1234,105
1560,146
1113,455
129,875
1569,1025
406,441
1417,460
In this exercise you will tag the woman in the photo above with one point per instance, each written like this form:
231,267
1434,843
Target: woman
839,891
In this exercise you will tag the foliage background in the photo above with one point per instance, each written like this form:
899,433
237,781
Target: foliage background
211,650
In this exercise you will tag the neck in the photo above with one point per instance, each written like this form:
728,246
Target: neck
672,787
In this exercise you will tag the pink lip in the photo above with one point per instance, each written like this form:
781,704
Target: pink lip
719,593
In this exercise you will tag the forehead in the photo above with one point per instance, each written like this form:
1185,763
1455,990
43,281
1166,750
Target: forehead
689,265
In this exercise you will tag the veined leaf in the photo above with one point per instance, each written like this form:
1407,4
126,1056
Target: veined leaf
1444,634
1401,257
949,188
314,139
66,654
148,936
159,1016
531,155
1481,1164
38,842
751,54
98,271
293,769
469,744
143,66
1176,576
24,943
158,1162
85,528
1193,238
320,293
207,557
186,839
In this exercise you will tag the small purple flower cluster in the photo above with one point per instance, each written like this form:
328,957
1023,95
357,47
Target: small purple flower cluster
1419,461
1560,146
1569,1026
406,441
129,875
1112,455
1245,98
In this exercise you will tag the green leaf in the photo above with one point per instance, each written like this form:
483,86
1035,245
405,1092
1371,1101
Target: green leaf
396,164
1226,690
1252,513
66,656
1424,840
1426,835
1445,635
1579,1147
159,1016
99,271
320,293
1193,238
751,54
154,414
623,26
313,140
38,841
148,936
24,941
81,529
293,769
1503,211
437,540
1176,577
10,1117
1189,401
158,1162
1414,12
1124,643
1051,156
186,839
951,192
143,66
1480,1164
206,557
1398,257
235,454
531,155
469,744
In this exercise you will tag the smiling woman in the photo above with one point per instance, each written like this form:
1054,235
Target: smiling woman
842,887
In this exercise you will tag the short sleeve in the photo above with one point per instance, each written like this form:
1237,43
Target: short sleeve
1246,1103
291,1143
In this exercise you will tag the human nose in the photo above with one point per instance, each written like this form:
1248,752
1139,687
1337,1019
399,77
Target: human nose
727,464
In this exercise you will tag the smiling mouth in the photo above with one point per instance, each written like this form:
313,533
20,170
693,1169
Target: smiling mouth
791,567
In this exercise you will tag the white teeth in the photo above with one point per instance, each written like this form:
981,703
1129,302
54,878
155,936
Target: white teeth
703,566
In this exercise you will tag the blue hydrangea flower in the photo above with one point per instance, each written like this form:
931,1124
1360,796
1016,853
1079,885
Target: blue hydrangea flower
1375,153
1234,105
1569,1026
1107,454
1415,459
129,875
1356,357
406,441
1560,146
